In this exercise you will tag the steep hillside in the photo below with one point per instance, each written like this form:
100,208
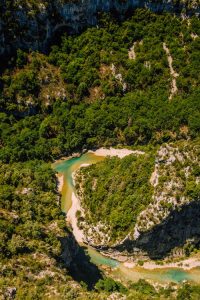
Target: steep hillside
89,92
35,24
132,83
32,228
124,199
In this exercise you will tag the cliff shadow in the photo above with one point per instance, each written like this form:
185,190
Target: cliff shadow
78,263
179,227
58,33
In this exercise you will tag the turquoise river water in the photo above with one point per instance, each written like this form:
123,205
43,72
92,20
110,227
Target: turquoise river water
65,168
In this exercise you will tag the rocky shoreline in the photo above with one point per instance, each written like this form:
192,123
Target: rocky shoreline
128,260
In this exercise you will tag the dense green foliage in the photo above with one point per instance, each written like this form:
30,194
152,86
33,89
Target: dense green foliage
28,192
115,191
109,285
188,292
93,108
72,99
144,287
30,227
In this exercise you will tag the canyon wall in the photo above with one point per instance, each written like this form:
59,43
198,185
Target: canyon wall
34,25
174,235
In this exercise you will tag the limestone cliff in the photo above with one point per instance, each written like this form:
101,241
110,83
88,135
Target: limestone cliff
33,25
169,224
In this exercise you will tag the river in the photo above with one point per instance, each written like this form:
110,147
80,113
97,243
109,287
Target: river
65,168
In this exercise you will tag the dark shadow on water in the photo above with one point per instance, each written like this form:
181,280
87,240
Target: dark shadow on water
179,227
78,263
84,270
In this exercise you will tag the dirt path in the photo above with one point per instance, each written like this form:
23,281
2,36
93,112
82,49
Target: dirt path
131,52
174,75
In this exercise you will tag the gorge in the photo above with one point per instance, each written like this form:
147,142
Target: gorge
120,77
38,25
132,271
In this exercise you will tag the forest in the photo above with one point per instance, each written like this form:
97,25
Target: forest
123,198
71,100
115,191
89,91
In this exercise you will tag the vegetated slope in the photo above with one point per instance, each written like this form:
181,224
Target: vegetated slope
38,252
112,194
36,24
93,106
86,93
124,198
32,226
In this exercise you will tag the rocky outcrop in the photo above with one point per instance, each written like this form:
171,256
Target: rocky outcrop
70,249
170,224
78,262
35,25
175,237
174,172
180,229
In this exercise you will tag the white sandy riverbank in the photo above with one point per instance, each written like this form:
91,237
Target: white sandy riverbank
71,214
60,182
72,219
186,264
115,152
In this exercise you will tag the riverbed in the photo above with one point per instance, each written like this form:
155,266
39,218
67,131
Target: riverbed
65,169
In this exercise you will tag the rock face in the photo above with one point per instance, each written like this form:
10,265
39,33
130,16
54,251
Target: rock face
169,224
70,249
180,229
78,263
34,26
175,237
